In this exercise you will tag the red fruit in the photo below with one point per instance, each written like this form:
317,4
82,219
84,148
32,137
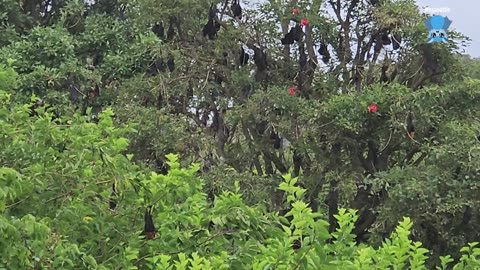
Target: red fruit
292,91
304,22
295,11
373,108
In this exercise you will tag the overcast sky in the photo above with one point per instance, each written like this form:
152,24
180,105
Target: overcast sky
463,14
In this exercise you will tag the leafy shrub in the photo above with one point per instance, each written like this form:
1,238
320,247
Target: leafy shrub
55,184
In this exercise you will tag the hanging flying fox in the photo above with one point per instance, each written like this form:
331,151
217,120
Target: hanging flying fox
149,230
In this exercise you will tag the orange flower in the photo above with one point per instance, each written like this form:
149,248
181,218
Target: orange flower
295,11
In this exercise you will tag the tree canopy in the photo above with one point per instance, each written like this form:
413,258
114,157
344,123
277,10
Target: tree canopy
329,126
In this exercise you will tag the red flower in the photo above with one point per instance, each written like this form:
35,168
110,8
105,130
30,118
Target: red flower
304,22
295,11
373,108
292,91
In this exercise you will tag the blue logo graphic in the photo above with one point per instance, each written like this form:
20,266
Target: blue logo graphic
437,28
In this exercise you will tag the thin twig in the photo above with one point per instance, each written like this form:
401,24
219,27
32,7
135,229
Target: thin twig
223,10
58,197
388,142
18,202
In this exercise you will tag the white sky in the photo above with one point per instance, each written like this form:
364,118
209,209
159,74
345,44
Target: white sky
461,12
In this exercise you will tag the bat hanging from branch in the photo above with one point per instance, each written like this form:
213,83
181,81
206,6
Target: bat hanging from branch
410,127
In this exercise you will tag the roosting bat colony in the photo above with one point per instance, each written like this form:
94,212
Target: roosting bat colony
294,36
297,35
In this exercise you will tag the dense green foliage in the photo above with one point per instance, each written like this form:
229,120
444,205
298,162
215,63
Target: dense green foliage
249,153
55,188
